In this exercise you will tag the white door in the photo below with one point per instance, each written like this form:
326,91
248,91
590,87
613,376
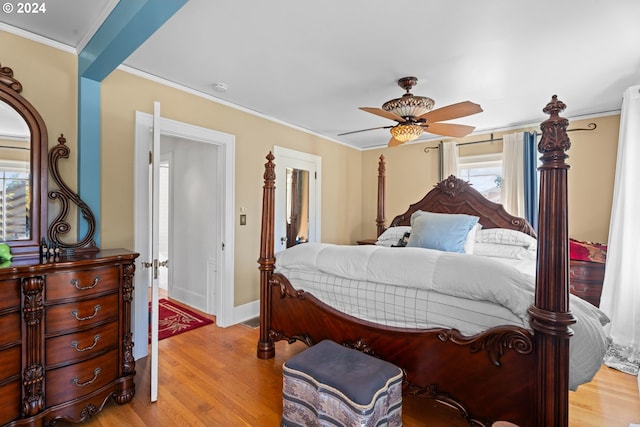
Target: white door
154,263
308,166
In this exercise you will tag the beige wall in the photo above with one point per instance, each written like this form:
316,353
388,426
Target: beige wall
592,157
49,77
411,173
49,82
124,93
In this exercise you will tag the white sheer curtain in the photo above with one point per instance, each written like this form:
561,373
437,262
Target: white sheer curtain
621,288
512,196
449,159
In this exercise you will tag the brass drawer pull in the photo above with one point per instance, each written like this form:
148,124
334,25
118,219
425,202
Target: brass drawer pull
579,289
74,344
96,309
96,372
75,283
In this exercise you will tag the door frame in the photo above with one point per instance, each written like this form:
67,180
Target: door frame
225,204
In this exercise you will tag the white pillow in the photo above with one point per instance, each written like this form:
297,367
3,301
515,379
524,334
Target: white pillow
503,251
505,236
471,239
392,235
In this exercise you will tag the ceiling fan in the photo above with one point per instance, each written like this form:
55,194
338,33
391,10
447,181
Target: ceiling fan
415,115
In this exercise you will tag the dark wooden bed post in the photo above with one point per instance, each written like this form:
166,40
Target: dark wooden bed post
266,261
550,314
380,219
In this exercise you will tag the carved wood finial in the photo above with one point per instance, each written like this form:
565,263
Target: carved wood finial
554,107
555,140
269,170
381,166
452,186
60,226
7,79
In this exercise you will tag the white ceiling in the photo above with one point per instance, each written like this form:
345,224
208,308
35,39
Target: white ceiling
313,64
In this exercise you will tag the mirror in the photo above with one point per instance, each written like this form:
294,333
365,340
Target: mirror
23,170
297,206
15,164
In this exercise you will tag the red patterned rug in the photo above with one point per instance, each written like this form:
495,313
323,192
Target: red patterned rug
175,319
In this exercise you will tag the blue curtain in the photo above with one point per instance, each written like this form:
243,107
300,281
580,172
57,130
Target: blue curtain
531,178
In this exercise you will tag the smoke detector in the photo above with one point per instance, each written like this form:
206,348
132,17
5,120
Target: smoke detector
220,87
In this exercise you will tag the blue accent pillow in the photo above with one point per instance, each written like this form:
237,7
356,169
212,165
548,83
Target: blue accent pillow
441,231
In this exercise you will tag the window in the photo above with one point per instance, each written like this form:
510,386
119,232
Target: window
484,172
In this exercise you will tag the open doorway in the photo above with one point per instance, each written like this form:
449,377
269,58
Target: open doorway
188,233
187,192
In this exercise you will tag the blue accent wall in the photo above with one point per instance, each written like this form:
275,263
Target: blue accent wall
89,151
128,25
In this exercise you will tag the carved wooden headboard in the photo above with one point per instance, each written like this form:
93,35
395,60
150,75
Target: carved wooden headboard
456,196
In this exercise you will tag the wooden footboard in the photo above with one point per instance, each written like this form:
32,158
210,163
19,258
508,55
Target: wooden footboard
506,373
466,373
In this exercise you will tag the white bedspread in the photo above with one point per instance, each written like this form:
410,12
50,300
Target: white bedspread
422,288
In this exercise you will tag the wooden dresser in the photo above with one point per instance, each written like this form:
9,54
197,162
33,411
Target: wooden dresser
585,280
65,337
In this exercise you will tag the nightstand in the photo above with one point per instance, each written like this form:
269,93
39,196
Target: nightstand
585,280
367,241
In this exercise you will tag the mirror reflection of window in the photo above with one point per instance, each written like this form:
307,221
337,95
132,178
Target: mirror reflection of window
14,200
297,206
15,162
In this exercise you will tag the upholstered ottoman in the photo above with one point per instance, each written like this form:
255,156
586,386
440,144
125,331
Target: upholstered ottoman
332,385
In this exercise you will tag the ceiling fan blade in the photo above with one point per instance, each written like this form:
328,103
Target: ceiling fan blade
364,130
453,111
394,142
383,113
449,129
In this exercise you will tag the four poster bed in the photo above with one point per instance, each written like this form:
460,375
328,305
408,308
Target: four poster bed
508,360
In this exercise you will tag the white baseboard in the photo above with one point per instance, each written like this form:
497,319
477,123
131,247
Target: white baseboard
246,311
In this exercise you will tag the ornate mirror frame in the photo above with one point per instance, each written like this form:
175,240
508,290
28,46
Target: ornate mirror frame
10,89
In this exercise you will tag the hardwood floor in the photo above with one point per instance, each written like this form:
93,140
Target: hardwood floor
211,377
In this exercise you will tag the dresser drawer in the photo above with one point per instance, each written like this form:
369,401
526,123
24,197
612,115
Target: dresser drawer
71,382
80,314
71,348
585,280
10,363
10,326
588,291
9,294
10,403
586,271
81,283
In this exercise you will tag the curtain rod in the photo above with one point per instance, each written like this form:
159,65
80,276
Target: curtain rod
14,148
591,126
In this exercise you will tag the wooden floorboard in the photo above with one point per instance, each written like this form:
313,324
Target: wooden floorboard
211,377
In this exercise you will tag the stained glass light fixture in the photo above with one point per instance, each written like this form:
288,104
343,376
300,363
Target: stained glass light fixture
406,132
